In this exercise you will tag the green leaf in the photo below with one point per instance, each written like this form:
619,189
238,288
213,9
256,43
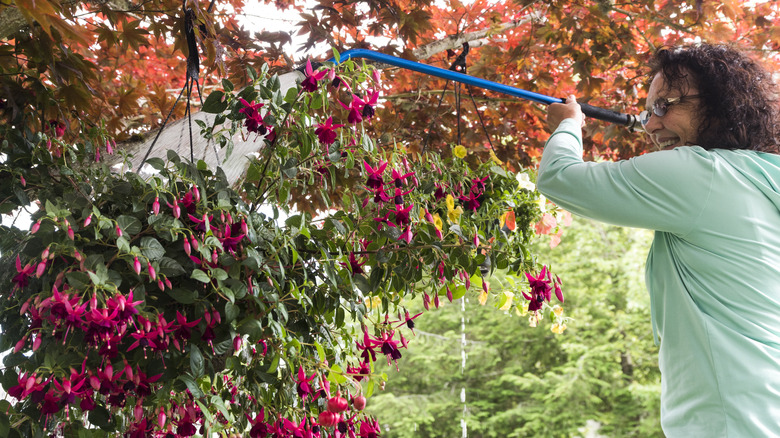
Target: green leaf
231,312
151,248
156,162
183,296
170,267
215,103
253,173
129,224
227,85
191,385
219,274
336,375
320,351
123,244
101,418
201,276
196,361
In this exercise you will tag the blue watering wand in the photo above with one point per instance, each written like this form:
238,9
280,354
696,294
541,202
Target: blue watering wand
628,120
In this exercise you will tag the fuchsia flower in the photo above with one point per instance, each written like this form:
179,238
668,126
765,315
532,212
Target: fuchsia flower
369,429
232,238
472,201
254,120
303,387
407,235
326,132
310,82
21,279
58,127
400,180
541,290
355,110
360,372
374,180
402,214
355,266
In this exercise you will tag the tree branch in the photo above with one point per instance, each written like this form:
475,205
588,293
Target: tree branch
456,41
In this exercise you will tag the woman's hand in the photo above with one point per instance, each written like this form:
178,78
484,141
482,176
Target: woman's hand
556,112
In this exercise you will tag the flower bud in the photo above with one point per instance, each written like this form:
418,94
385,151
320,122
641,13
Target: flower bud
88,220
337,403
359,402
40,269
152,272
156,205
137,265
35,227
328,419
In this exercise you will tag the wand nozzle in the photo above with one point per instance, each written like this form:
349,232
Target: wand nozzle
628,120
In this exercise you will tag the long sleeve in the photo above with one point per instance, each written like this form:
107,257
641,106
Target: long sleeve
663,191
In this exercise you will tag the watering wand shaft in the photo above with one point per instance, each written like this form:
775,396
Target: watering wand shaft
591,111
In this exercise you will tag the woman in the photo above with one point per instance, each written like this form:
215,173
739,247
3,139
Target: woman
712,194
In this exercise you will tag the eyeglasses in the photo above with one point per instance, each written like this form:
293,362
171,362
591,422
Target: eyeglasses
661,106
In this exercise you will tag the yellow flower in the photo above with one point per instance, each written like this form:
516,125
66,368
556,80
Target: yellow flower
373,302
495,158
454,215
450,201
558,310
459,151
558,328
507,298
533,320
437,222
483,296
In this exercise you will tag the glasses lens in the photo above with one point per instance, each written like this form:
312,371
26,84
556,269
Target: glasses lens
660,106
644,117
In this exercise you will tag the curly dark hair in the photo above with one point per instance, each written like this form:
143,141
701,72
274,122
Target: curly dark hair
739,107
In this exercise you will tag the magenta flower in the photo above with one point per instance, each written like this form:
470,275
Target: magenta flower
407,235
402,214
355,266
310,82
540,290
400,180
254,120
355,110
374,179
369,429
326,132
472,201
303,387
232,238
368,105
21,279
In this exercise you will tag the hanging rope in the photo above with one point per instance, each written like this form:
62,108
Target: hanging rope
193,71
459,65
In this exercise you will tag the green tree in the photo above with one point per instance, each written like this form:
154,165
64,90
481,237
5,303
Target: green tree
520,381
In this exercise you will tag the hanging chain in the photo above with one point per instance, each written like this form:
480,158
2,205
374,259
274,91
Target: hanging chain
459,65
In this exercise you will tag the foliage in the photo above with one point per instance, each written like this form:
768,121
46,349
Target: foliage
116,63
534,383
180,304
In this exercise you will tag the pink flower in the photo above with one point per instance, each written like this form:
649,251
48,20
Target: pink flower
374,179
310,82
355,266
156,205
326,132
303,386
541,290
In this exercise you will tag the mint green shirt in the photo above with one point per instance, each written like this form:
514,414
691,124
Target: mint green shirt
713,272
